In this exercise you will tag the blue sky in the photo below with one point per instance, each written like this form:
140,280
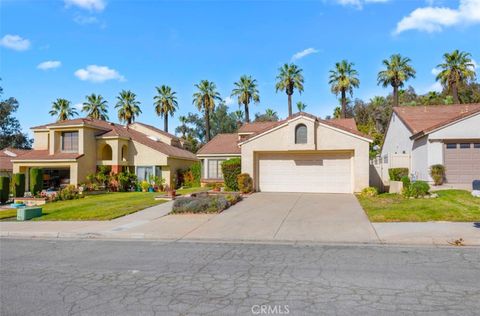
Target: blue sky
68,49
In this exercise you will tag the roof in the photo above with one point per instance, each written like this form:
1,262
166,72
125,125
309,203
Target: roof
255,127
221,144
347,123
45,155
8,154
423,119
157,130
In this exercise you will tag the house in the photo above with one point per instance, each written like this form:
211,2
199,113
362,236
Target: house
440,134
6,156
302,153
69,150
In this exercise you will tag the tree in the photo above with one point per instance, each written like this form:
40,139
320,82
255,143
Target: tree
128,107
397,71
289,78
96,107
10,130
62,109
221,121
165,103
205,99
301,106
182,129
246,91
269,116
457,70
342,80
239,117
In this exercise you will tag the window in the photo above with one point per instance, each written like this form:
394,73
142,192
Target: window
144,173
215,168
451,146
476,145
300,134
70,142
464,145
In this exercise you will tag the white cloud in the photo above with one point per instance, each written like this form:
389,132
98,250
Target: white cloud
49,64
15,42
229,101
358,3
96,73
78,106
84,20
92,5
304,53
437,87
435,19
435,71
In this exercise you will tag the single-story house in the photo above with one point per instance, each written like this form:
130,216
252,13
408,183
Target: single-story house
69,150
439,134
6,156
302,153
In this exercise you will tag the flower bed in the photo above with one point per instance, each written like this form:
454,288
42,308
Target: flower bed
205,203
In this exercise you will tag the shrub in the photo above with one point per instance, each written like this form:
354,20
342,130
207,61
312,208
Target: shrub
233,198
70,192
396,174
245,183
126,180
145,185
36,181
406,181
369,192
4,189
190,176
18,184
437,172
231,169
416,189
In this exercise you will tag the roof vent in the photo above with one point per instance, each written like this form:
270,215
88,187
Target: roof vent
153,138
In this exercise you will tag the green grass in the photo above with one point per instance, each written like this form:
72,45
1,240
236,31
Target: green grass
192,190
8,213
451,205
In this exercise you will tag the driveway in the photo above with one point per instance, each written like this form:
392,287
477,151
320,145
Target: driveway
291,217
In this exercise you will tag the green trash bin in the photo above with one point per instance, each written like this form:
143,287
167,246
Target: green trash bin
26,213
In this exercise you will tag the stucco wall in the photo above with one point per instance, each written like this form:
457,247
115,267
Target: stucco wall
326,139
40,140
466,129
397,140
169,171
148,131
420,159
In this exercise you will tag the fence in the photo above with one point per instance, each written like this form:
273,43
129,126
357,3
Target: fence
379,168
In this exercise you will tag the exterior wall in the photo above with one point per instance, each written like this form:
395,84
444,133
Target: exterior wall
204,160
148,131
420,159
464,129
397,140
326,139
169,172
141,155
41,140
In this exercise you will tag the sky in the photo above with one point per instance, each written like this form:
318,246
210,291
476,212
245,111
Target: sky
72,48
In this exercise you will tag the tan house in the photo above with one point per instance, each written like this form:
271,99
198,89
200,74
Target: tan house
302,153
70,150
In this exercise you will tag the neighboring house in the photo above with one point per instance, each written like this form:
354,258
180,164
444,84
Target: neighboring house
6,156
440,134
69,150
302,153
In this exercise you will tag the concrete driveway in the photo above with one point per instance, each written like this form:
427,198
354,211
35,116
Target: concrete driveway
291,217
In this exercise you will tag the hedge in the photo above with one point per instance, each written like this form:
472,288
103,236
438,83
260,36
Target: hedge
190,176
4,189
231,169
396,174
36,180
18,184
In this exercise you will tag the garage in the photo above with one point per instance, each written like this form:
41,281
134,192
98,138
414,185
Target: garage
462,161
320,172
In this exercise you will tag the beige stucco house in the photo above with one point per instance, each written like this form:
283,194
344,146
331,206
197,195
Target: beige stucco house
302,153
70,150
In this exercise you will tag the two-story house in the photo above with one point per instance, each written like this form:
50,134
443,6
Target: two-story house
69,150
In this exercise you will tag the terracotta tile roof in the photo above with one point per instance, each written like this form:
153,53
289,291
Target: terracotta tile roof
221,144
347,123
255,127
45,155
157,130
426,118
8,154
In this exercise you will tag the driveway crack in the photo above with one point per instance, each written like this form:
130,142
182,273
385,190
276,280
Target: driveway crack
288,213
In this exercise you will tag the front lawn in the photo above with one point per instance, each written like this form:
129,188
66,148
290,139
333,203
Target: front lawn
451,205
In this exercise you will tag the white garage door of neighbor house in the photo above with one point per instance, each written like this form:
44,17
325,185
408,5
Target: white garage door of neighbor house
316,173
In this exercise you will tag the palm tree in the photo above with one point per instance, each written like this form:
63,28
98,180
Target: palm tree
63,110
205,99
246,91
342,80
289,79
238,115
165,103
301,106
398,70
457,69
128,107
96,107
270,113
183,127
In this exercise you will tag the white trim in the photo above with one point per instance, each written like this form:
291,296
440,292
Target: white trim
45,160
218,155
264,133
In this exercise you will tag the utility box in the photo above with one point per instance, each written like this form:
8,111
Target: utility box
24,214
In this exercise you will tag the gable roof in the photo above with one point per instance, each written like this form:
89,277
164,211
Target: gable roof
8,154
255,127
153,128
221,144
424,119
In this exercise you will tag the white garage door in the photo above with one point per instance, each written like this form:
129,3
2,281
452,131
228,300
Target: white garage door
319,173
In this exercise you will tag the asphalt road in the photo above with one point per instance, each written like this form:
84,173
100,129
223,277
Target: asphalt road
95,277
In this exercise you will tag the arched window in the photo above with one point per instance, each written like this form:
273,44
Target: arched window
107,152
124,152
300,134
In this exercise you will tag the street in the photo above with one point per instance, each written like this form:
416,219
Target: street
100,277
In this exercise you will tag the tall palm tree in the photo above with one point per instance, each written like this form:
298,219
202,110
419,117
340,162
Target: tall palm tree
342,80
205,99
128,107
290,77
246,91
301,106
183,128
165,103
457,69
96,107
397,71
62,109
